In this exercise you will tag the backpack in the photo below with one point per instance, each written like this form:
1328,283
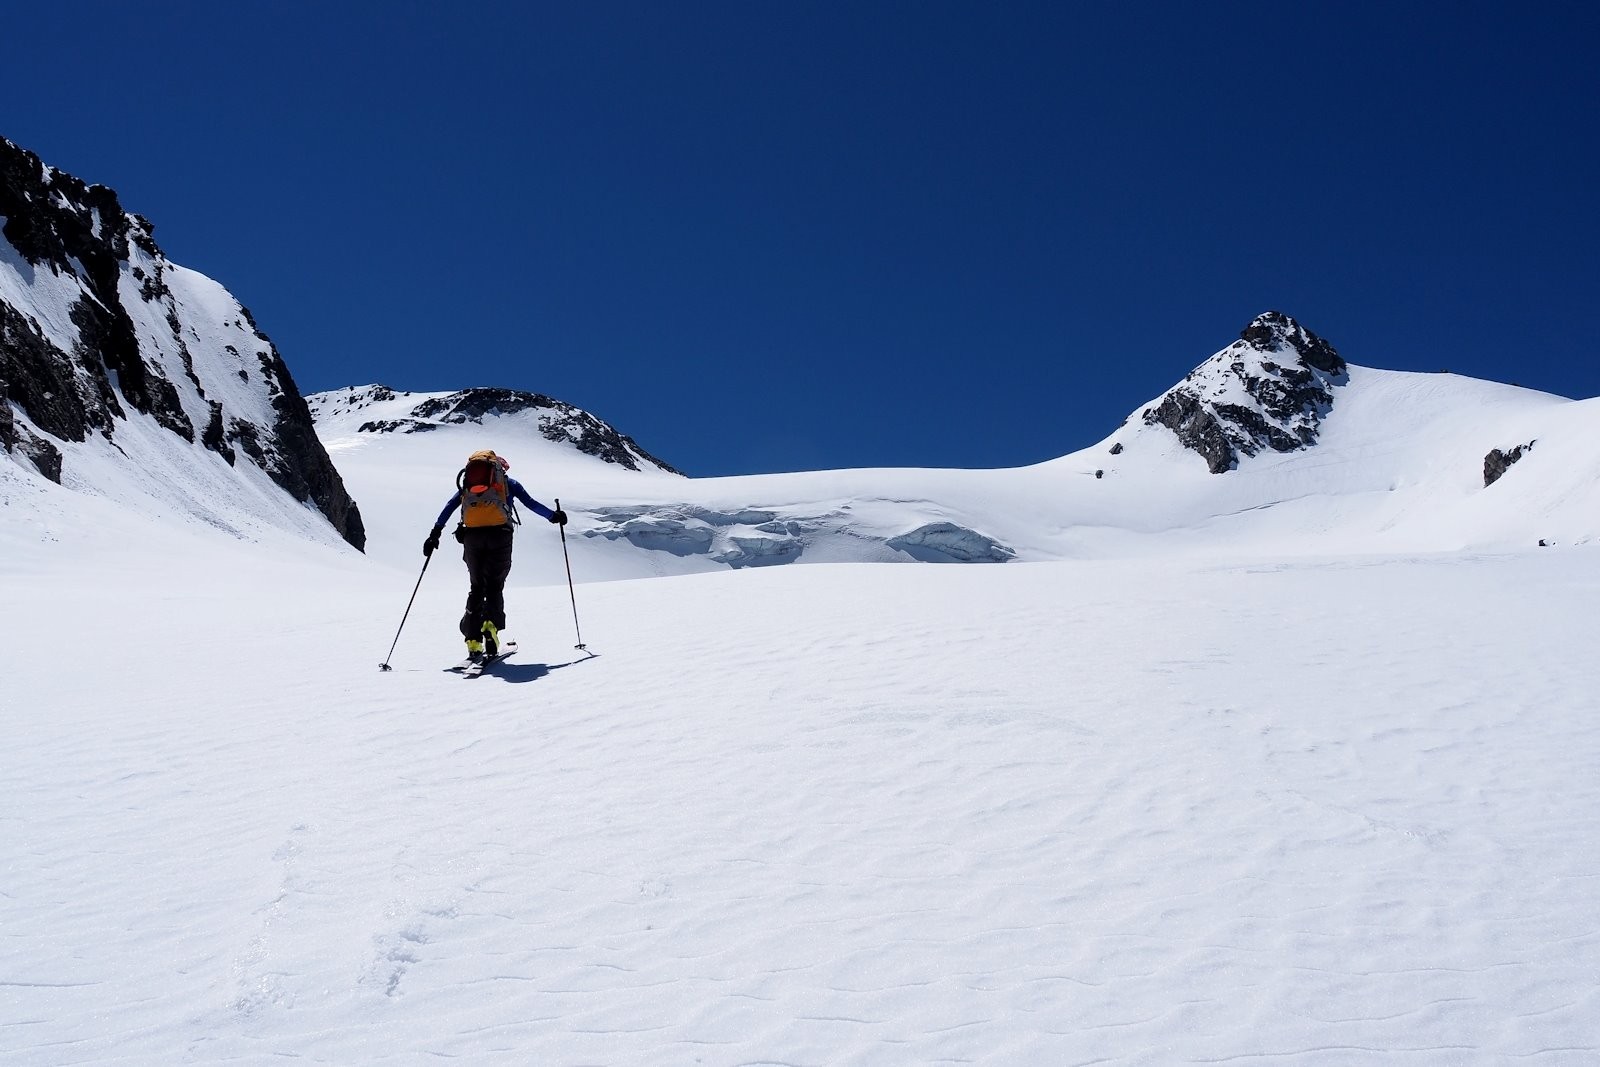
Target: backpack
485,497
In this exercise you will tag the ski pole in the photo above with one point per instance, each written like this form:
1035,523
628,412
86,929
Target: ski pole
384,666
580,645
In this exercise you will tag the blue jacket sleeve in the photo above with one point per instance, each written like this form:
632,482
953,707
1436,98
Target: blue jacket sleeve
449,509
533,505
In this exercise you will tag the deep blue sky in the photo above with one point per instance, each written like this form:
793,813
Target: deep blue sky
765,236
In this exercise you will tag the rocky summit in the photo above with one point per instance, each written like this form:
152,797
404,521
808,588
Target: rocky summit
99,328
1270,389
555,420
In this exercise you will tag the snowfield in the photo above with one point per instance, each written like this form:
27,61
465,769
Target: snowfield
1399,468
1300,810
1291,765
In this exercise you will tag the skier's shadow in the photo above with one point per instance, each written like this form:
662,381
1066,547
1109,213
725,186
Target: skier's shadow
508,671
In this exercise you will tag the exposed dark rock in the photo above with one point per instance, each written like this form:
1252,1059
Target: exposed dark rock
1273,329
108,336
1496,463
53,217
39,379
1116,449
1270,389
1185,414
45,457
215,438
300,464
558,421
248,437
397,426
57,223
19,440
595,438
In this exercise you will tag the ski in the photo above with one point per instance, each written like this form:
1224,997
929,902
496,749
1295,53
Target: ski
473,668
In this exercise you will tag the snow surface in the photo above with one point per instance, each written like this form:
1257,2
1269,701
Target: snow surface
1398,468
1307,810
1290,765
142,466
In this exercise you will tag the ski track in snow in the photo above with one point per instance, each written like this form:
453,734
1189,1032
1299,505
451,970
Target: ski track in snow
1321,812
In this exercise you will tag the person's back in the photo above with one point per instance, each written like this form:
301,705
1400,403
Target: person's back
487,496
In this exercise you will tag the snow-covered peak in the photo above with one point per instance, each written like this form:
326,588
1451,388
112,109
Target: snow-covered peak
378,409
1269,390
1274,333
124,375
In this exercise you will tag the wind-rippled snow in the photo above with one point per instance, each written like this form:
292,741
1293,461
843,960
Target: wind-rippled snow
1315,810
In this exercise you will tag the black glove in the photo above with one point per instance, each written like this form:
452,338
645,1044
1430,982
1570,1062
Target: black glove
432,542
558,517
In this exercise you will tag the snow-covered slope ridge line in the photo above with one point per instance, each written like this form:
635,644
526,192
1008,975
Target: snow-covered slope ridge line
128,376
378,409
633,515
1313,454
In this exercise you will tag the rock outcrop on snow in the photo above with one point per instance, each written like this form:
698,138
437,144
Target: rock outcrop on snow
556,420
1498,461
1270,389
98,328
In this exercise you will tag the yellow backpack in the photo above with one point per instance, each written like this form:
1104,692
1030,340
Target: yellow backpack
485,499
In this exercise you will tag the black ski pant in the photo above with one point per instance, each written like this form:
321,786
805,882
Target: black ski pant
487,550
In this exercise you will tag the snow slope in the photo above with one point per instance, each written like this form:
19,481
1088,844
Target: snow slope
1291,764
1398,467
1293,809
128,377
141,465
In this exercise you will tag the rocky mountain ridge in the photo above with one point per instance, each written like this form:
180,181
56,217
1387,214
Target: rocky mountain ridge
1278,413
111,355
394,412
98,327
